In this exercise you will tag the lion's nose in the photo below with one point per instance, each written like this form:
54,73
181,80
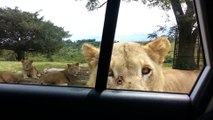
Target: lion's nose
119,80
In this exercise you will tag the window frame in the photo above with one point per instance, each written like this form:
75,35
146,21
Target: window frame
104,101
203,86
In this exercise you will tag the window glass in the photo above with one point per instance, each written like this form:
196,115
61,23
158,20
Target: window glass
41,40
157,47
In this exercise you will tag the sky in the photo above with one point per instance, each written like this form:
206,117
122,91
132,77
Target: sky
135,20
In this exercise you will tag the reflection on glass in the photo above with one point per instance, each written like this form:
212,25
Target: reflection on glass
41,43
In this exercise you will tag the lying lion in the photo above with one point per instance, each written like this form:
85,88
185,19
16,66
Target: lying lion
29,71
64,77
10,77
135,66
46,70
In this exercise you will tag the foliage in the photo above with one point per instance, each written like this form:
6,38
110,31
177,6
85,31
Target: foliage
170,32
7,55
163,4
169,57
94,4
70,52
24,31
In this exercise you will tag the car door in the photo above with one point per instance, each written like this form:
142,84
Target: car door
21,100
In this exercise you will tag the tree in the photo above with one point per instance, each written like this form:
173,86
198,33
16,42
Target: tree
186,29
188,33
26,32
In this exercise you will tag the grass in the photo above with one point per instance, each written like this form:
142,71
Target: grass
17,66
10,66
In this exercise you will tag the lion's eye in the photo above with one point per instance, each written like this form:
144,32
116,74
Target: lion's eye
146,70
110,73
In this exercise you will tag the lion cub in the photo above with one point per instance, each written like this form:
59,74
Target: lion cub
29,71
64,77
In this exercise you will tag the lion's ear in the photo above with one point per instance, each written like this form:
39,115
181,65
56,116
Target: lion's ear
77,64
158,49
31,61
22,60
91,54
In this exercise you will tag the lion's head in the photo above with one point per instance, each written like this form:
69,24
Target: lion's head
133,65
27,64
73,69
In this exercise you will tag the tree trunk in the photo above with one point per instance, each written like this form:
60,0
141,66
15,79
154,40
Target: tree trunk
185,58
20,55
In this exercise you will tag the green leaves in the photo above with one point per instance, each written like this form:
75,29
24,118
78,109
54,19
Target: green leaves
25,31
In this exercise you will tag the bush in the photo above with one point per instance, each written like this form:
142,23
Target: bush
8,55
169,58
68,53
37,57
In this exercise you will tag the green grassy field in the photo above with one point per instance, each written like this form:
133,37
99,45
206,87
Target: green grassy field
17,66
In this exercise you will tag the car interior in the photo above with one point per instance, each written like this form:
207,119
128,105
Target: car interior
62,102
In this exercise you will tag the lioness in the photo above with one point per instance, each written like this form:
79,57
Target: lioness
10,77
139,67
29,71
133,66
64,77
46,70
181,81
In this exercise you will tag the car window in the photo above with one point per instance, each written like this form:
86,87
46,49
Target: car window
41,43
156,47
123,100
161,49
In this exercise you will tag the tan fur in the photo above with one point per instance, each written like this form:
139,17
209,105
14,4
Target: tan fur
180,81
29,71
128,60
139,67
46,70
9,77
64,77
